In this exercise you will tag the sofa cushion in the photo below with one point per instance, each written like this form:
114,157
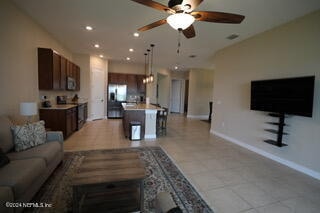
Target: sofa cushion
6,142
3,159
28,135
47,151
20,174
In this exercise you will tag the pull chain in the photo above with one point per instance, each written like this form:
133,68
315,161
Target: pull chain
179,42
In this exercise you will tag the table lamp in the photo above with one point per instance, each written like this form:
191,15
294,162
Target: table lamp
28,109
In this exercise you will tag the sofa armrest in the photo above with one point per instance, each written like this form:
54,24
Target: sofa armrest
54,136
6,195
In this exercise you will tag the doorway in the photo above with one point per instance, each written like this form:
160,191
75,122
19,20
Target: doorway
176,96
97,94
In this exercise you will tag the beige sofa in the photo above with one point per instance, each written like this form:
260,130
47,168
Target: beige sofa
27,170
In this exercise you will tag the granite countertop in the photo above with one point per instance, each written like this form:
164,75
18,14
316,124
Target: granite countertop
133,106
60,106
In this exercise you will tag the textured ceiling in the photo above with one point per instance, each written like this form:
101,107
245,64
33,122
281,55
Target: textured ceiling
114,22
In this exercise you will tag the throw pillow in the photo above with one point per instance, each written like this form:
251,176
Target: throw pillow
28,135
3,158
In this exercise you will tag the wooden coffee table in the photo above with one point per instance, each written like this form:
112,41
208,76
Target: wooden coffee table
109,182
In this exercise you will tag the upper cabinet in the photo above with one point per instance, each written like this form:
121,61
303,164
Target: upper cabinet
134,82
54,69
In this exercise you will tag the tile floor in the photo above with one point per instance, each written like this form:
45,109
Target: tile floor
230,178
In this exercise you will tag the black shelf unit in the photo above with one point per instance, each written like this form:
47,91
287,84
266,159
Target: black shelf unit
279,132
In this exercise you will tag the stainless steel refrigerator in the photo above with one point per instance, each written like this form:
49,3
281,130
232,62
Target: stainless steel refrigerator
117,94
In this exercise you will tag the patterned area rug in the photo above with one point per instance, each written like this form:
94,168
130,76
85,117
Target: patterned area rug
162,175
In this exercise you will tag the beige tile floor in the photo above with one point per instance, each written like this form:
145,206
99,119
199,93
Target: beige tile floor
230,178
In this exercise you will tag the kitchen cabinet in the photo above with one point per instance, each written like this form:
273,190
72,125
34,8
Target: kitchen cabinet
64,120
63,73
77,77
141,87
48,69
117,78
134,82
54,69
132,85
82,115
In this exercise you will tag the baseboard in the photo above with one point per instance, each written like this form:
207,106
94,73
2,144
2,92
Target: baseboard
288,163
200,117
151,136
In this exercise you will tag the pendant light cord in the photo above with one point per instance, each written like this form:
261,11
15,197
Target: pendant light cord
151,60
179,42
145,63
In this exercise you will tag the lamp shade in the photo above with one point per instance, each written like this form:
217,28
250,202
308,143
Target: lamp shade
180,20
28,108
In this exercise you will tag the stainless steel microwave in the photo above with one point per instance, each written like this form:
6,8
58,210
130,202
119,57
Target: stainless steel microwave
71,83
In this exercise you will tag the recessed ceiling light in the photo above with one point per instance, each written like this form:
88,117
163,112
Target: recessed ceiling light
89,28
136,34
101,56
176,67
128,59
96,45
131,50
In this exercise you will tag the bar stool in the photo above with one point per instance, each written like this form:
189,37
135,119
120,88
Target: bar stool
162,121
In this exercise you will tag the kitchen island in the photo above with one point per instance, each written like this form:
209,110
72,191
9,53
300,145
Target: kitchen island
146,114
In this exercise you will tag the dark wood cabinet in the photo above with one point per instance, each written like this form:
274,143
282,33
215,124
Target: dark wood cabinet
133,115
64,120
141,87
48,69
63,73
134,82
82,114
54,69
77,77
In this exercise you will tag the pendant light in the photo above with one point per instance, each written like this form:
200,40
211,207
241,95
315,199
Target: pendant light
145,68
151,78
148,78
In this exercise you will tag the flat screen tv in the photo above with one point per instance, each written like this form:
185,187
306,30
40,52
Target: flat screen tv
286,96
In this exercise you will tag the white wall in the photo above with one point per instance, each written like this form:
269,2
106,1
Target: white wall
287,51
126,67
200,93
20,37
164,86
152,87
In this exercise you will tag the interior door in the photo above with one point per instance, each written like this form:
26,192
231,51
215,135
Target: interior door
97,94
176,96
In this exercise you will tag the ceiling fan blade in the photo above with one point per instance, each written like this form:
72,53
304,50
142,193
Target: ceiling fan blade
218,17
193,4
189,32
153,25
155,5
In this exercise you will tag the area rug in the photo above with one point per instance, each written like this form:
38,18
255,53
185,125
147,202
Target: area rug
162,175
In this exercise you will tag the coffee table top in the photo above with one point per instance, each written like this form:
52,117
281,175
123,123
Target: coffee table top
109,167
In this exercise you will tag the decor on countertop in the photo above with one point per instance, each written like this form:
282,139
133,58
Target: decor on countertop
28,135
75,98
28,109
162,176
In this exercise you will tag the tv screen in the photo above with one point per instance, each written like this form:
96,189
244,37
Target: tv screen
289,95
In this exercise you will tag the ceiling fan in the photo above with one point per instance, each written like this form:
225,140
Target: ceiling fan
182,15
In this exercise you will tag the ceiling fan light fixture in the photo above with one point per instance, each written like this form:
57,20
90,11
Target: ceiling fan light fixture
180,20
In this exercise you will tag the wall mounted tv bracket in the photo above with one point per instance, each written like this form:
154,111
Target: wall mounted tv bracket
278,132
